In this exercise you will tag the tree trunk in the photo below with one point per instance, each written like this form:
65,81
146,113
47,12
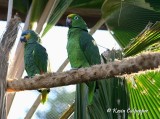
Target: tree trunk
6,44
3,73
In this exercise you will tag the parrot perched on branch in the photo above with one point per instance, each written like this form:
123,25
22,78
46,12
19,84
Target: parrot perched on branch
82,52
35,58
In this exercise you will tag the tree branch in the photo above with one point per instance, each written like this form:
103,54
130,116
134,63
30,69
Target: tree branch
6,44
96,72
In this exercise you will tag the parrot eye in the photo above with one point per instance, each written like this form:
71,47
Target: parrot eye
76,18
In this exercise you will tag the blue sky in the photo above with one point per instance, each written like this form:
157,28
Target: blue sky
55,42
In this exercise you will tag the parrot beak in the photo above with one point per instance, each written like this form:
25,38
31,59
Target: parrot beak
68,22
23,39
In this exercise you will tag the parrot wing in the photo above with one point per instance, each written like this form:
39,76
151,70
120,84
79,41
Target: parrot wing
89,48
91,52
41,58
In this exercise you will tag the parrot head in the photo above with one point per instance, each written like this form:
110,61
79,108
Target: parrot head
75,21
29,36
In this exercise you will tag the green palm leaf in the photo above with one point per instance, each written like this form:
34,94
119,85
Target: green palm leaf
111,100
127,19
154,47
56,14
145,95
149,36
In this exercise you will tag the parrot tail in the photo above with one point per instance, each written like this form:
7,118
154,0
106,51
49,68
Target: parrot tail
91,91
44,95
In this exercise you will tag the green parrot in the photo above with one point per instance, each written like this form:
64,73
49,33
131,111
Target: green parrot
35,58
82,52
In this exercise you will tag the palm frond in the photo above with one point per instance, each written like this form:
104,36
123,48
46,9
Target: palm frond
144,101
126,19
110,98
56,14
149,36
154,47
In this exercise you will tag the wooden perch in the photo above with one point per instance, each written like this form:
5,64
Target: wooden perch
96,72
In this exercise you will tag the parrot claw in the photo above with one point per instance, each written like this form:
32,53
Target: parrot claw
26,77
76,68
39,90
48,90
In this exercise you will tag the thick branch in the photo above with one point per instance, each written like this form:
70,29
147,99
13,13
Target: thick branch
6,45
96,72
